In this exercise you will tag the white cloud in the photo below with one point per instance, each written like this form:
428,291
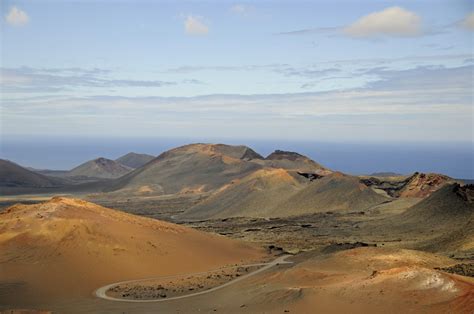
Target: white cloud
468,22
194,25
393,21
241,9
17,17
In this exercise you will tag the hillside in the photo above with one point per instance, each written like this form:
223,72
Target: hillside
50,173
134,160
294,161
100,168
422,185
417,185
194,168
256,195
362,280
67,247
280,193
385,174
15,176
445,220
335,192
202,168
452,203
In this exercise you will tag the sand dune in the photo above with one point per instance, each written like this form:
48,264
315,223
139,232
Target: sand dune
66,247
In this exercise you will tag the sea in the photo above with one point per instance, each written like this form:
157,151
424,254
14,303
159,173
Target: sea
455,159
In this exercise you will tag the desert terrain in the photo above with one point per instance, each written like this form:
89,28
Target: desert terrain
220,228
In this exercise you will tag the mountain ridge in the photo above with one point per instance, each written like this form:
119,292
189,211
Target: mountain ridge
101,167
203,167
134,160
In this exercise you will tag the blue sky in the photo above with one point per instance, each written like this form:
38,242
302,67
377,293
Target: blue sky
384,71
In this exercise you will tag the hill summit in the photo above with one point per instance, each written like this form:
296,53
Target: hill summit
294,161
100,168
134,160
203,168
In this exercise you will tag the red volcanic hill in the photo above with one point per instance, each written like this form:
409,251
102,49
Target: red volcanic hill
422,185
67,247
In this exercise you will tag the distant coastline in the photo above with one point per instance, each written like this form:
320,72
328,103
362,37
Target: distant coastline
452,159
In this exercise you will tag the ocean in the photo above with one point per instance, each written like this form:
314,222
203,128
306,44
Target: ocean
453,159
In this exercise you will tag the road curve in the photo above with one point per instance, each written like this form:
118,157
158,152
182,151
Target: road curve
101,292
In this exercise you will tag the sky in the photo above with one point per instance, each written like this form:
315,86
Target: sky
334,71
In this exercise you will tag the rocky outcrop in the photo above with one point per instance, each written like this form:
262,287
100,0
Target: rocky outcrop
418,185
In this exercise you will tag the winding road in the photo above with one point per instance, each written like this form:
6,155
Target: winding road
102,291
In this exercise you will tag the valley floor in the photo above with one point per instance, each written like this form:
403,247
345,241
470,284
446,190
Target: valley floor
363,280
353,261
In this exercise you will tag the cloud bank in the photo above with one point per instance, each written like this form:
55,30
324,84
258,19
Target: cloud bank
393,21
468,22
37,80
16,17
242,9
195,25
390,22
422,103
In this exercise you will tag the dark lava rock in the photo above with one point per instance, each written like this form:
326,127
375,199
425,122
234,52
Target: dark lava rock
281,154
335,247
310,176
460,269
275,249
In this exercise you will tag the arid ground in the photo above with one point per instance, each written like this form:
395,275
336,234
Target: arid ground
216,228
